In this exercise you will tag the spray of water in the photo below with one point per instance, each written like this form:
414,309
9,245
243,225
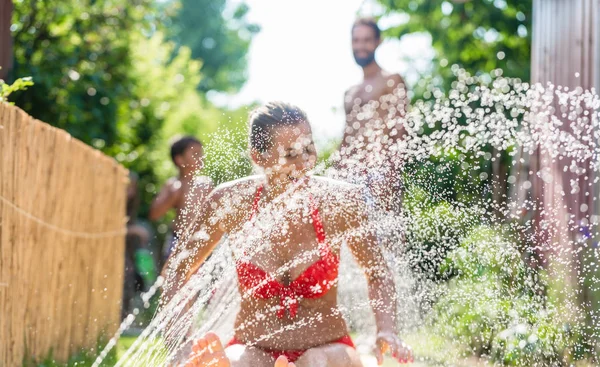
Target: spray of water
511,277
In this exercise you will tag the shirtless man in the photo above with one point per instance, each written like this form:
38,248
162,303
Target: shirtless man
185,189
369,149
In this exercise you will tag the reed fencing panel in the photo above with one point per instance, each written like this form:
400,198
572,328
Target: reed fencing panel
62,236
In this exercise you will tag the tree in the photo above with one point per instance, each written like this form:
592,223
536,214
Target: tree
77,53
7,89
5,38
479,36
165,103
104,72
220,38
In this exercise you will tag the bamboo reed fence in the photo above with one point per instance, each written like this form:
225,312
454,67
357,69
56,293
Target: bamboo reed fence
62,235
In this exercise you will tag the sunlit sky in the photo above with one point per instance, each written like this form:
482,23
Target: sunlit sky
303,56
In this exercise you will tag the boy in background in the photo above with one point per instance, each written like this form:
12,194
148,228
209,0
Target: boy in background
183,193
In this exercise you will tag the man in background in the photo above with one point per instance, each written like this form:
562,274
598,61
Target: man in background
370,150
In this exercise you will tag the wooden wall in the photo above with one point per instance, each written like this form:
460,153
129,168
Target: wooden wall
566,52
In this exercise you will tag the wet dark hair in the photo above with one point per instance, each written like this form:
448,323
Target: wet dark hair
369,22
263,119
179,146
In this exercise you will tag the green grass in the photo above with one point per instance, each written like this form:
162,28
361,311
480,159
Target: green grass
84,358
430,350
124,343
433,350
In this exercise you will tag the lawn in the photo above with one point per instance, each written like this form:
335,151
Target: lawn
431,351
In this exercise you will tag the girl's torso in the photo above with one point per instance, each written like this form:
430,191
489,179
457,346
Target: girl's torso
281,239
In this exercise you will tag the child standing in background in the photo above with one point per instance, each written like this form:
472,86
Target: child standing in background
186,189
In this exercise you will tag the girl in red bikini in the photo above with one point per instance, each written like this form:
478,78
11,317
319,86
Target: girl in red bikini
289,312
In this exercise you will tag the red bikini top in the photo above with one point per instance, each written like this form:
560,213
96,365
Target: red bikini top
314,282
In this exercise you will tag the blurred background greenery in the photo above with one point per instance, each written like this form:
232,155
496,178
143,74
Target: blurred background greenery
127,76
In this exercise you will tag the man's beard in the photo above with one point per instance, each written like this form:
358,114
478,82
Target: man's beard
364,61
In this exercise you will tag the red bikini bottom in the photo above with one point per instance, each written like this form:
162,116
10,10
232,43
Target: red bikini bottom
293,355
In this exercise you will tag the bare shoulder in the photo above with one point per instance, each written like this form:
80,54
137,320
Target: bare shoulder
203,180
394,81
331,183
353,92
342,204
238,188
230,201
340,195
203,183
172,185
353,89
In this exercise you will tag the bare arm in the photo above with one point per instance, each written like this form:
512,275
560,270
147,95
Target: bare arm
363,244
201,238
194,202
166,199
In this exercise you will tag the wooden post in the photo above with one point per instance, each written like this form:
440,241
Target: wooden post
566,52
6,56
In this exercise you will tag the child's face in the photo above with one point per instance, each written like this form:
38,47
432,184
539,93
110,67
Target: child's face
292,152
192,158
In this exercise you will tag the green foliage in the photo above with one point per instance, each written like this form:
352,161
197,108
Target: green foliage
450,176
221,40
83,358
479,36
106,73
86,358
487,251
532,338
167,103
485,38
154,349
78,54
227,155
495,305
7,89
324,155
461,168
433,229
146,311
442,203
